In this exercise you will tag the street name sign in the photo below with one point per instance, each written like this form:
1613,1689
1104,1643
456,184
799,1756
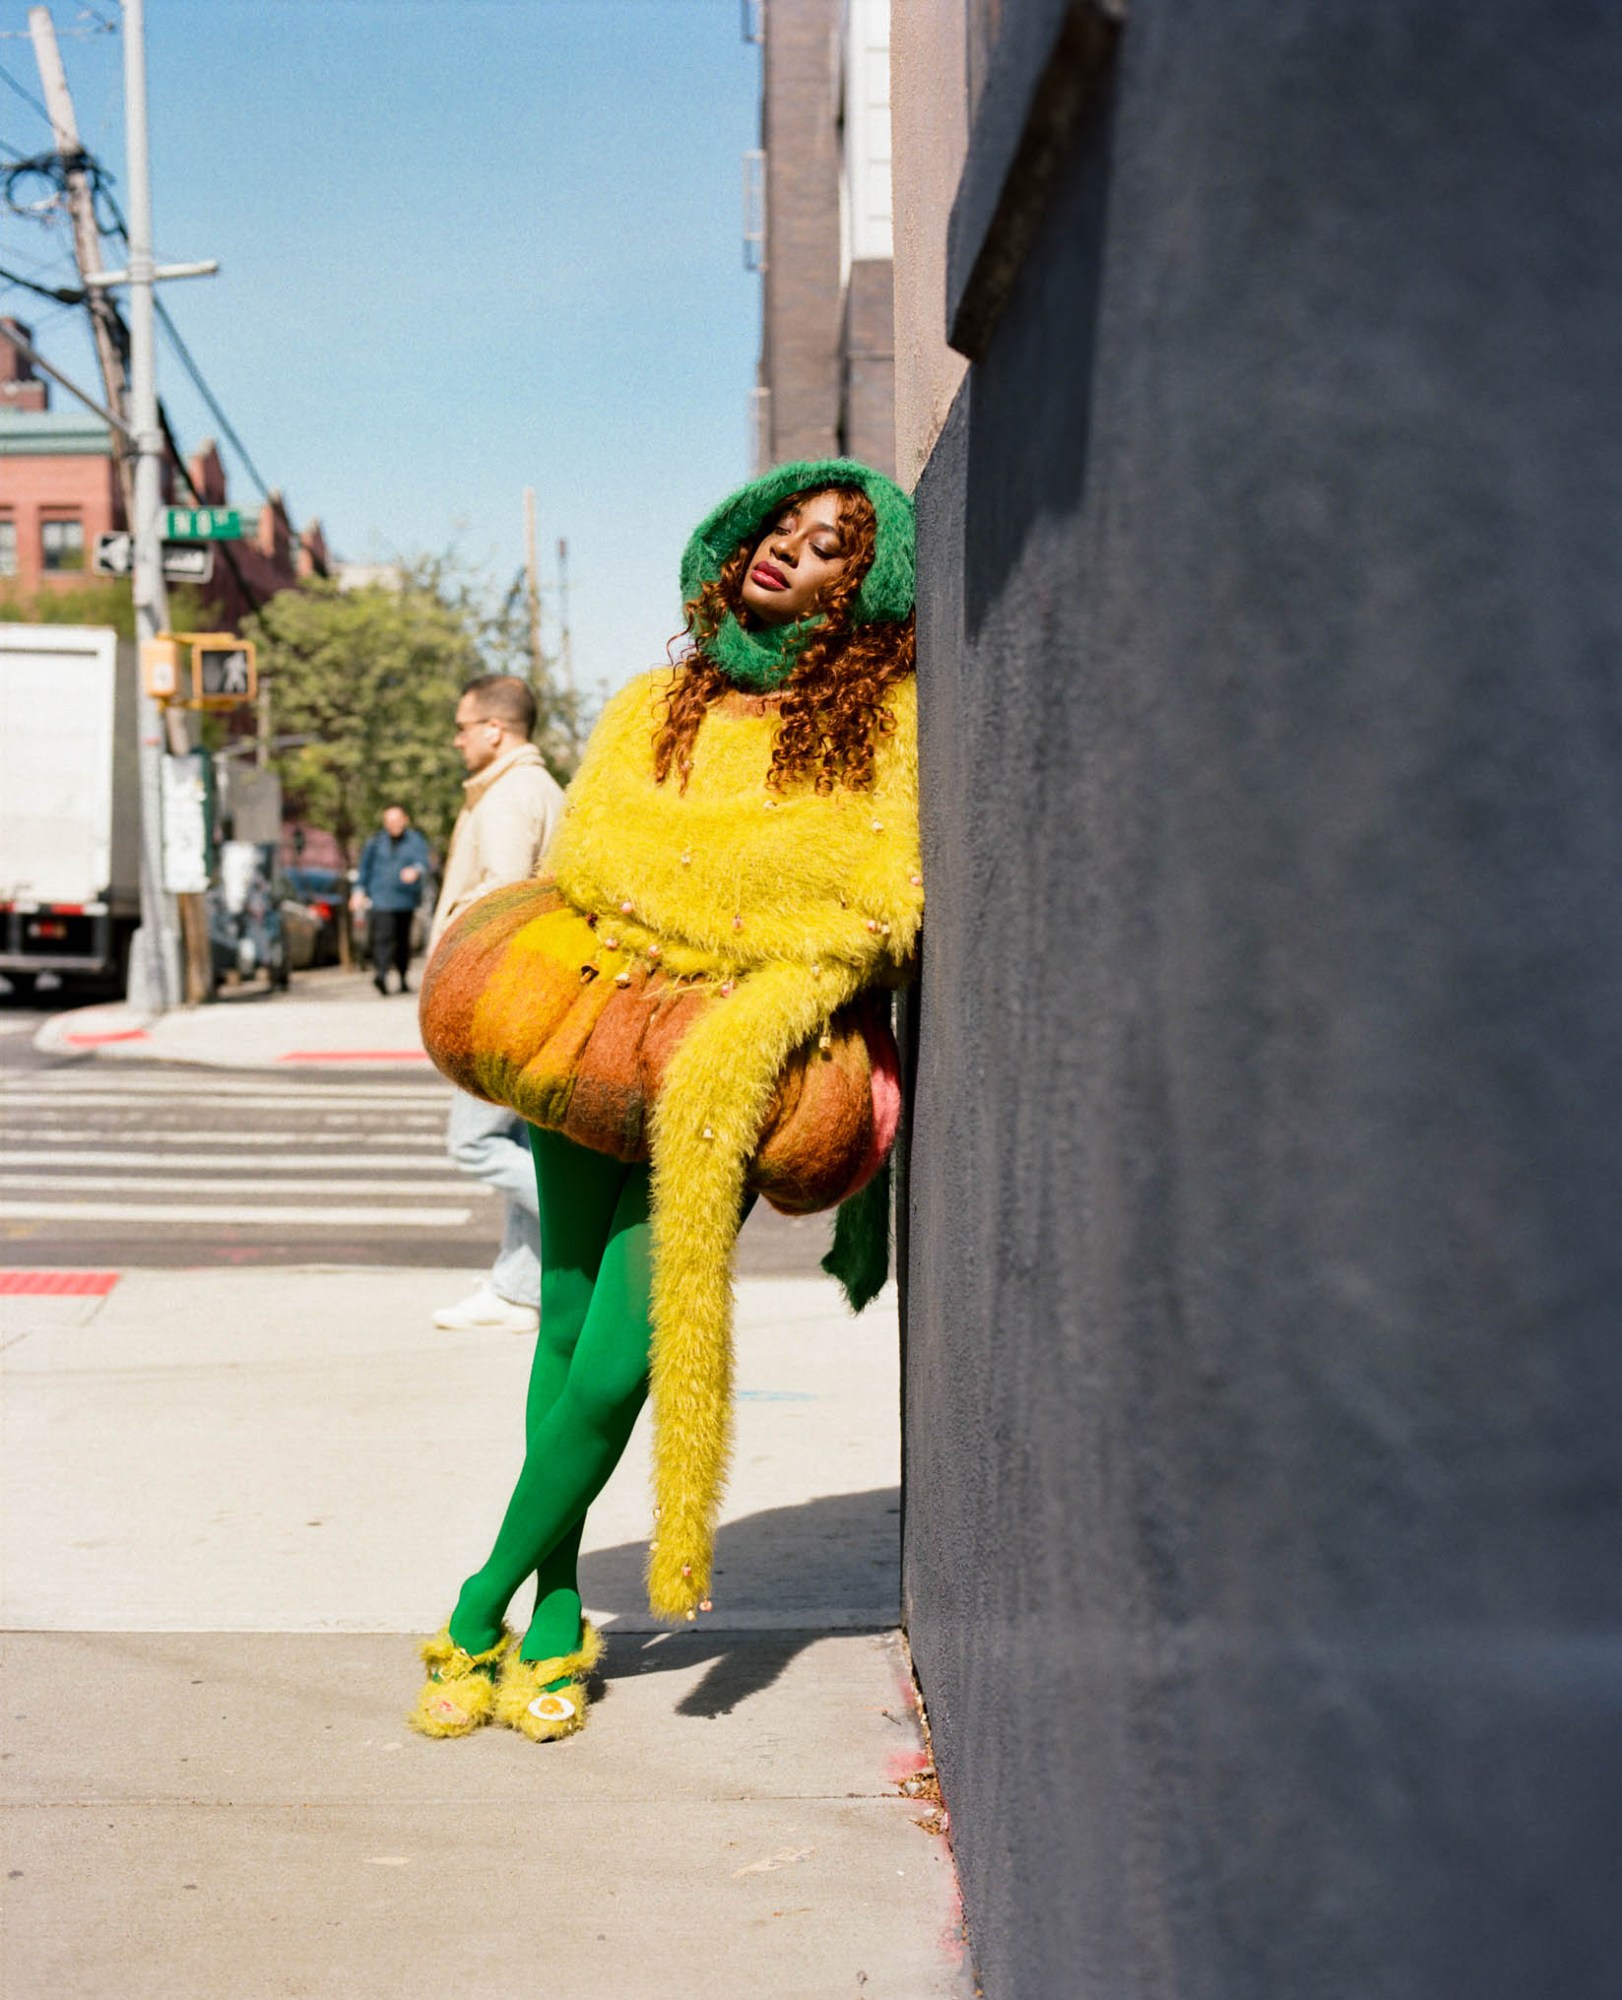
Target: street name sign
114,555
202,524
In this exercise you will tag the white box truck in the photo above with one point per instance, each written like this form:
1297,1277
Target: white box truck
70,814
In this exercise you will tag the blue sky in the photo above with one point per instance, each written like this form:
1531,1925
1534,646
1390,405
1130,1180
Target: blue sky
466,246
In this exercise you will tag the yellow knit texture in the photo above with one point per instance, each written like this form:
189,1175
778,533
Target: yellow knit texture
801,899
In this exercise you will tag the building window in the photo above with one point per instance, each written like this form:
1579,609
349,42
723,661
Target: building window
754,211
8,546
61,544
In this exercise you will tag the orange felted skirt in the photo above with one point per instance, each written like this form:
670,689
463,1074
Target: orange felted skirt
518,1009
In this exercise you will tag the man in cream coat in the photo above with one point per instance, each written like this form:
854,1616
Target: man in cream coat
512,807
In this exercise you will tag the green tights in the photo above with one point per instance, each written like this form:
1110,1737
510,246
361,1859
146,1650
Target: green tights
586,1386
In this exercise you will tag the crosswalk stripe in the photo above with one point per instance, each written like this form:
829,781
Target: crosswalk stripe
241,1184
433,1162
223,1082
285,1100
337,1115
250,1215
430,1144
201,1155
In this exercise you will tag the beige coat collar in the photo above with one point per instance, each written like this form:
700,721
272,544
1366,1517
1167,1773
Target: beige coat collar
474,788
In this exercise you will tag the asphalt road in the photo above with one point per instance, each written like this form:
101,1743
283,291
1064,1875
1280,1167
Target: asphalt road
126,1165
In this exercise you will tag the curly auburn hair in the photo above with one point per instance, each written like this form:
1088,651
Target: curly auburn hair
832,705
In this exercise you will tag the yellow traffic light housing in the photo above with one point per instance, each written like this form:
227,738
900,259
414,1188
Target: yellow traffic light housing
219,669
160,667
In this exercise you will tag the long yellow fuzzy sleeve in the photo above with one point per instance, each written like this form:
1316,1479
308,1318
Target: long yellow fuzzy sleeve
793,902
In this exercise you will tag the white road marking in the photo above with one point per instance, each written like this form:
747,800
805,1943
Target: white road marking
431,1142
270,1163
133,1081
184,1105
252,1216
240,1184
259,1093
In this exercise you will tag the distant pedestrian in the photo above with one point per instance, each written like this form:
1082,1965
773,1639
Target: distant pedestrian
512,808
394,866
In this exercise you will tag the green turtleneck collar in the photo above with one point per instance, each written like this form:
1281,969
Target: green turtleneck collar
758,661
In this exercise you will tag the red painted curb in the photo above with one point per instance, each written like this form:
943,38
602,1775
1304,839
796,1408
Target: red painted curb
58,1284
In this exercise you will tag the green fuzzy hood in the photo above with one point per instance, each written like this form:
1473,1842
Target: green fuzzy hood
886,593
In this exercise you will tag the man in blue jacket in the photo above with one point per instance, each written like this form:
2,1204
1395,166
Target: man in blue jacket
388,885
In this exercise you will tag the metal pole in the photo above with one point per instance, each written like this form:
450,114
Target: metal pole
86,239
154,963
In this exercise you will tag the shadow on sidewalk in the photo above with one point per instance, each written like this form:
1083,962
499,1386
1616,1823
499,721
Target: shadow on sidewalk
838,1555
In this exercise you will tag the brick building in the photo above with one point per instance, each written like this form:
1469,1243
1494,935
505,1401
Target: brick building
819,233
59,490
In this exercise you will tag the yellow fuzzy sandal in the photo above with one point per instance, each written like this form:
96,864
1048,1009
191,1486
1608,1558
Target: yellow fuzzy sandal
460,1691
524,1702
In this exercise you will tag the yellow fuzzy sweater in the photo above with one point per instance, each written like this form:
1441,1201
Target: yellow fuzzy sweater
798,901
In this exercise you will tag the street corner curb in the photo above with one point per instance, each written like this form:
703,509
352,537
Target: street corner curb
95,1030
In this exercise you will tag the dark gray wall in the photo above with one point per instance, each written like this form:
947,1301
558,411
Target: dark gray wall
1264,1287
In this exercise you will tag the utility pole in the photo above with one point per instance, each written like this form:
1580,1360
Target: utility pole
86,237
153,983
532,596
151,598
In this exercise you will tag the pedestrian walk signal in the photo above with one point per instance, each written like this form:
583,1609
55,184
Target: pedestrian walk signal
222,669
219,670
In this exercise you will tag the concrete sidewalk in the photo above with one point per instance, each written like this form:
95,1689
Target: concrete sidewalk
232,1499
326,1019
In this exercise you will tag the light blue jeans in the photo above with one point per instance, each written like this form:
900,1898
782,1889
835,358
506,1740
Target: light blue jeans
492,1144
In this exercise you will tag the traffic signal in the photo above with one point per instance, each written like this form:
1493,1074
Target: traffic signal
219,669
222,669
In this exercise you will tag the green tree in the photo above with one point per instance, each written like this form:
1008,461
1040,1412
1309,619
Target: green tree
98,601
371,677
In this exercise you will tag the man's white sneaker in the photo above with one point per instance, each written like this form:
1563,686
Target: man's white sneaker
487,1310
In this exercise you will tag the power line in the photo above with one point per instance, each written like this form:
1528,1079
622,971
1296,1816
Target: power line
118,227
209,398
79,32
27,96
251,596
62,294
65,296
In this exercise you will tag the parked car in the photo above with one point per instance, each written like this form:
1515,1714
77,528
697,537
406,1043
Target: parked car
246,934
302,925
324,892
